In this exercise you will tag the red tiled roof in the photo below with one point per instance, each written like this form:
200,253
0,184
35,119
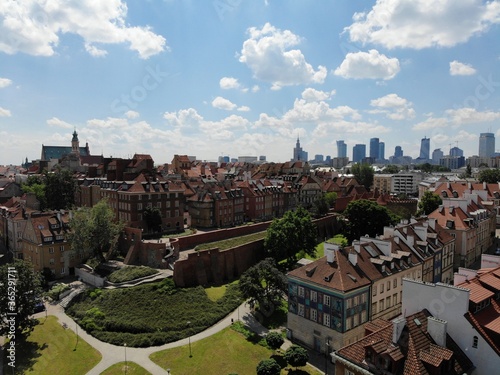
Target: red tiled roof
477,292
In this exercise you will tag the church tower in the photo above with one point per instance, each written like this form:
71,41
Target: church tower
75,144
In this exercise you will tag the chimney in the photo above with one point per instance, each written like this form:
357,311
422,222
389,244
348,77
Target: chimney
484,185
331,251
432,223
356,245
353,257
398,325
436,328
411,240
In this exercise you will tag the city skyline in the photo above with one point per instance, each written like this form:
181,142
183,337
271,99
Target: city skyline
238,78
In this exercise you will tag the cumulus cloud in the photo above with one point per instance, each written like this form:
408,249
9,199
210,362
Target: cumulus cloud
244,108
312,95
131,114
4,82
54,121
423,23
35,26
223,103
227,83
269,56
371,64
393,107
461,69
185,118
458,117
4,112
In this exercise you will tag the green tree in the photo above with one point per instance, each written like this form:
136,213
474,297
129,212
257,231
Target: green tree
320,206
263,283
36,186
296,356
274,340
94,231
60,189
152,217
490,176
363,174
428,203
330,198
340,239
268,367
20,287
294,232
366,217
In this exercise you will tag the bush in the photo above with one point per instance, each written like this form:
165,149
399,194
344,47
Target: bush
268,367
129,273
274,340
56,291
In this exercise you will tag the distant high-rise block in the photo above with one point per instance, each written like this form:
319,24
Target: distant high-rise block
487,145
398,152
437,155
455,151
374,142
425,148
381,151
298,153
358,153
341,149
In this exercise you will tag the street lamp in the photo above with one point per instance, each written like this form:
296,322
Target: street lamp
125,346
189,338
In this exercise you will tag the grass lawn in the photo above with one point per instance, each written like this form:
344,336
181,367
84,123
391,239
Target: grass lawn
232,242
128,273
320,252
226,352
154,317
50,349
119,369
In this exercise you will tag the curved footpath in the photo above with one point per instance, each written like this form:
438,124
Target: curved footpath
112,354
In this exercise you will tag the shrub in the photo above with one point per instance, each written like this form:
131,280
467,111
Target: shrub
56,291
274,340
129,273
268,367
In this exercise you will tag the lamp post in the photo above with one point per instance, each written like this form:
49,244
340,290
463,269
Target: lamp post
125,346
326,356
189,339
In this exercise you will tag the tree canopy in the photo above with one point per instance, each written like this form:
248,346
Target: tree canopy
268,367
428,203
274,340
363,174
366,217
152,217
296,356
20,287
289,235
94,231
490,176
263,283
390,169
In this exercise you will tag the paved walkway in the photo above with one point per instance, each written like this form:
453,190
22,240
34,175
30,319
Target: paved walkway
112,354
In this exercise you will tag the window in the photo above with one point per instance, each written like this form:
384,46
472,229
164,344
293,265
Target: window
356,320
381,288
301,309
394,299
389,285
326,320
347,372
51,250
381,305
314,296
374,292
326,300
314,315
61,248
348,324
395,283
348,303
363,316
474,342
374,307
301,291
63,271
51,261
388,302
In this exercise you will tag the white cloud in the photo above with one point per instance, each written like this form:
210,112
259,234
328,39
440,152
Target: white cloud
460,69
4,112
471,116
255,88
185,118
34,27
268,55
312,95
371,64
393,107
54,121
423,23
4,82
223,103
432,123
132,114
244,108
227,83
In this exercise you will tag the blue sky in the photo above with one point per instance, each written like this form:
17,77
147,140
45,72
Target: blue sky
240,77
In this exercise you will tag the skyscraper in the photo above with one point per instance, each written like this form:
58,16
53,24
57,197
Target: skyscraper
341,149
455,151
425,148
298,153
381,151
398,152
374,142
358,153
486,145
437,155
